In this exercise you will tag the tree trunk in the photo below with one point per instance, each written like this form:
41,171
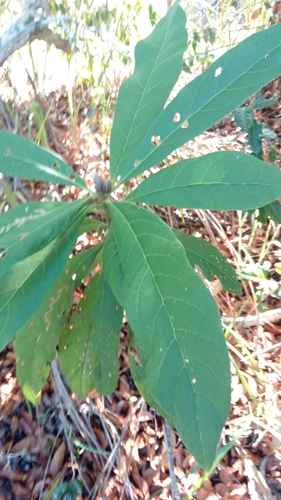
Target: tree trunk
30,24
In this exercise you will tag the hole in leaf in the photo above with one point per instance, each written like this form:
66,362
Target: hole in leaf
156,140
72,177
193,380
7,152
185,124
218,72
2,252
177,117
136,163
55,165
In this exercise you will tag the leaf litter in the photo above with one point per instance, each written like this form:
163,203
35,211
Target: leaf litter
116,444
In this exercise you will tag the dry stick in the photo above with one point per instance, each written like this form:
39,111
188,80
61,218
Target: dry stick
256,479
111,459
272,316
170,454
85,430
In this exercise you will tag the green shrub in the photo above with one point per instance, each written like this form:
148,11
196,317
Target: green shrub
182,364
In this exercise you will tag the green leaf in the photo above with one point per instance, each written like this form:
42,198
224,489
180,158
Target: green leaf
28,281
143,96
184,363
35,343
112,265
273,211
89,346
201,253
244,118
220,89
218,181
267,132
254,137
261,102
21,158
29,227
88,225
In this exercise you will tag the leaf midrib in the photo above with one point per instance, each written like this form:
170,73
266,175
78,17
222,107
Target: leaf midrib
164,305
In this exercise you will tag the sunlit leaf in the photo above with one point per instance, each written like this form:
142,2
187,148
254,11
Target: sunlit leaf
220,89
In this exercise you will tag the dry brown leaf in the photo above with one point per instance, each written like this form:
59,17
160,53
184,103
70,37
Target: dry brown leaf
26,445
12,475
255,14
20,491
57,461
221,488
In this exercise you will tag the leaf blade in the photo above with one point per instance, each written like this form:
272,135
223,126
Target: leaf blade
27,228
21,158
158,62
90,359
112,266
218,181
35,343
201,253
28,281
223,87
173,318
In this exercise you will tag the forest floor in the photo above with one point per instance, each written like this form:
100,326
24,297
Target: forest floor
117,446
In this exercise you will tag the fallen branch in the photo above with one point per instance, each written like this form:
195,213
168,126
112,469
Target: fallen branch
32,23
272,316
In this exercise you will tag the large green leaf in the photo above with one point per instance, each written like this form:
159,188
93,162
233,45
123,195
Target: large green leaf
21,158
201,253
27,228
143,96
112,265
28,281
184,363
218,181
35,343
89,346
220,89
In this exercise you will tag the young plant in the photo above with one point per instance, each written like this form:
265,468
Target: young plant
244,118
180,362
